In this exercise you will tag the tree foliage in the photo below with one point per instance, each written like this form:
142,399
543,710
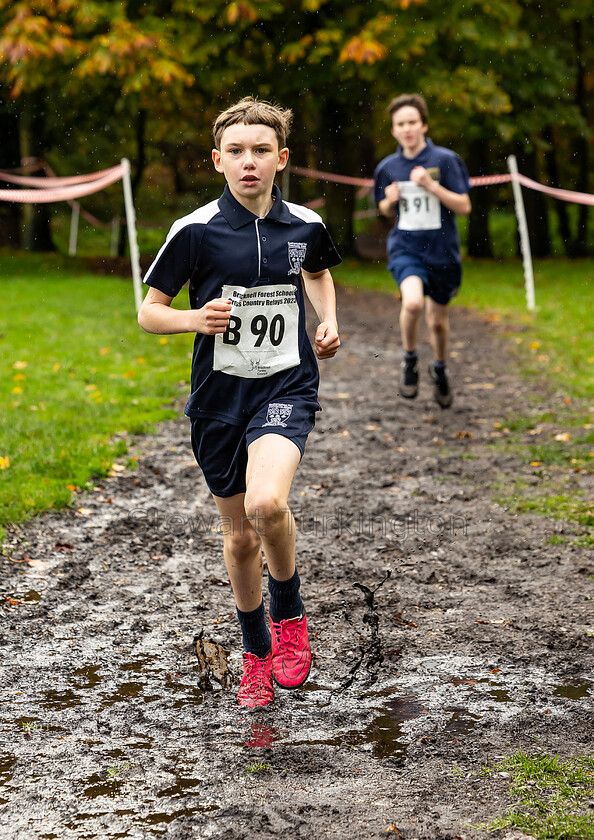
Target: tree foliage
499,75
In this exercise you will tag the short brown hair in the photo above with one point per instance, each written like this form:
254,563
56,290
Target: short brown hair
415,100
251,111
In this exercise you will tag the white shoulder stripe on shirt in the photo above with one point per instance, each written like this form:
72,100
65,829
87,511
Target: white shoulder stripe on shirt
201,216
304,213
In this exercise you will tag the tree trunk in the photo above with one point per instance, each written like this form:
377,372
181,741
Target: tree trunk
340,158
536,206
560,206
137,172
582,144
38,234
479,240
10,158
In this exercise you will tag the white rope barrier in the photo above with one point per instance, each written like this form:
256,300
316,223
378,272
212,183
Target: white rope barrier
51,189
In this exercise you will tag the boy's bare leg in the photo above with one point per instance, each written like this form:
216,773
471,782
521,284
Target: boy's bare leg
242,550
436,315
411,292
272,463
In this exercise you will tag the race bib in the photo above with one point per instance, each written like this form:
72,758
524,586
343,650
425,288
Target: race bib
417,208
262,338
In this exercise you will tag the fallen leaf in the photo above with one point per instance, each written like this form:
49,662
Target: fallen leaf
214,662
464,434
495,671
84,511
563,437
37,564
20,365
536,463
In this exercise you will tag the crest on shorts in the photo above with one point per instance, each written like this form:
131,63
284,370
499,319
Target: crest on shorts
277,414
297,252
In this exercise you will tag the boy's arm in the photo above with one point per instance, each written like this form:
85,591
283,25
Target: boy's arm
157,316
319,287
457,202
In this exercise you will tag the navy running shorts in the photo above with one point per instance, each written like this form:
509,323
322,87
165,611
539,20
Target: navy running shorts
440,284
221,449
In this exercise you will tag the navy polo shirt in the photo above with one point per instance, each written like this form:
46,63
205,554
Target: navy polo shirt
223,243
437,248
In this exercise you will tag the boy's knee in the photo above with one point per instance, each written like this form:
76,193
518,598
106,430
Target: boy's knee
437,323
265,510
243,544
413,307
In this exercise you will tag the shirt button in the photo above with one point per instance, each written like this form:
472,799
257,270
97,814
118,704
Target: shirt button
265,260
263,239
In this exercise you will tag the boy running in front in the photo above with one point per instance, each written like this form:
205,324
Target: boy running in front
254,393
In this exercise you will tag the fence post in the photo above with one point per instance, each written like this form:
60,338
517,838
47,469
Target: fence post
523,231
74,219
115,235
131,225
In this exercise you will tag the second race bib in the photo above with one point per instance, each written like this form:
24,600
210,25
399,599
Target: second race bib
417,208
262,338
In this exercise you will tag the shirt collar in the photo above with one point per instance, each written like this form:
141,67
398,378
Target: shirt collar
238,216
428,145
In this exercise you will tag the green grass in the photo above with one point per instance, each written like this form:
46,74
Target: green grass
257,767
78,379
550,796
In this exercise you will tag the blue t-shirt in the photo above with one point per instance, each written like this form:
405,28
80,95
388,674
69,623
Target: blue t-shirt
221,244
422,228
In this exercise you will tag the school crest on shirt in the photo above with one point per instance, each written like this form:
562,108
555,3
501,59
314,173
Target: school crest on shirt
297,252
277,414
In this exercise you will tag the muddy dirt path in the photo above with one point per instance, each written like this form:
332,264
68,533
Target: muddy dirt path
483,629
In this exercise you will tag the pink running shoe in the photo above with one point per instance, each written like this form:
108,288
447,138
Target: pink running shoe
256,684
291,654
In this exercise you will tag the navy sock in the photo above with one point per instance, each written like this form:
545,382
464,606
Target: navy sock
410,356
439,366
285,600
255,632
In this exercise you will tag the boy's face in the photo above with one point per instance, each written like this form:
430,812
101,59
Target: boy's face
249,158
408,129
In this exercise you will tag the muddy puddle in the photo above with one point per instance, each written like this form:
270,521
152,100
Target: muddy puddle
479,642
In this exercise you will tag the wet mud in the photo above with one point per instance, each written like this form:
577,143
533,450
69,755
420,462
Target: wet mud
477,642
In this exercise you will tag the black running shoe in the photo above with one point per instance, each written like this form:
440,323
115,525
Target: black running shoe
409,379
442,393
